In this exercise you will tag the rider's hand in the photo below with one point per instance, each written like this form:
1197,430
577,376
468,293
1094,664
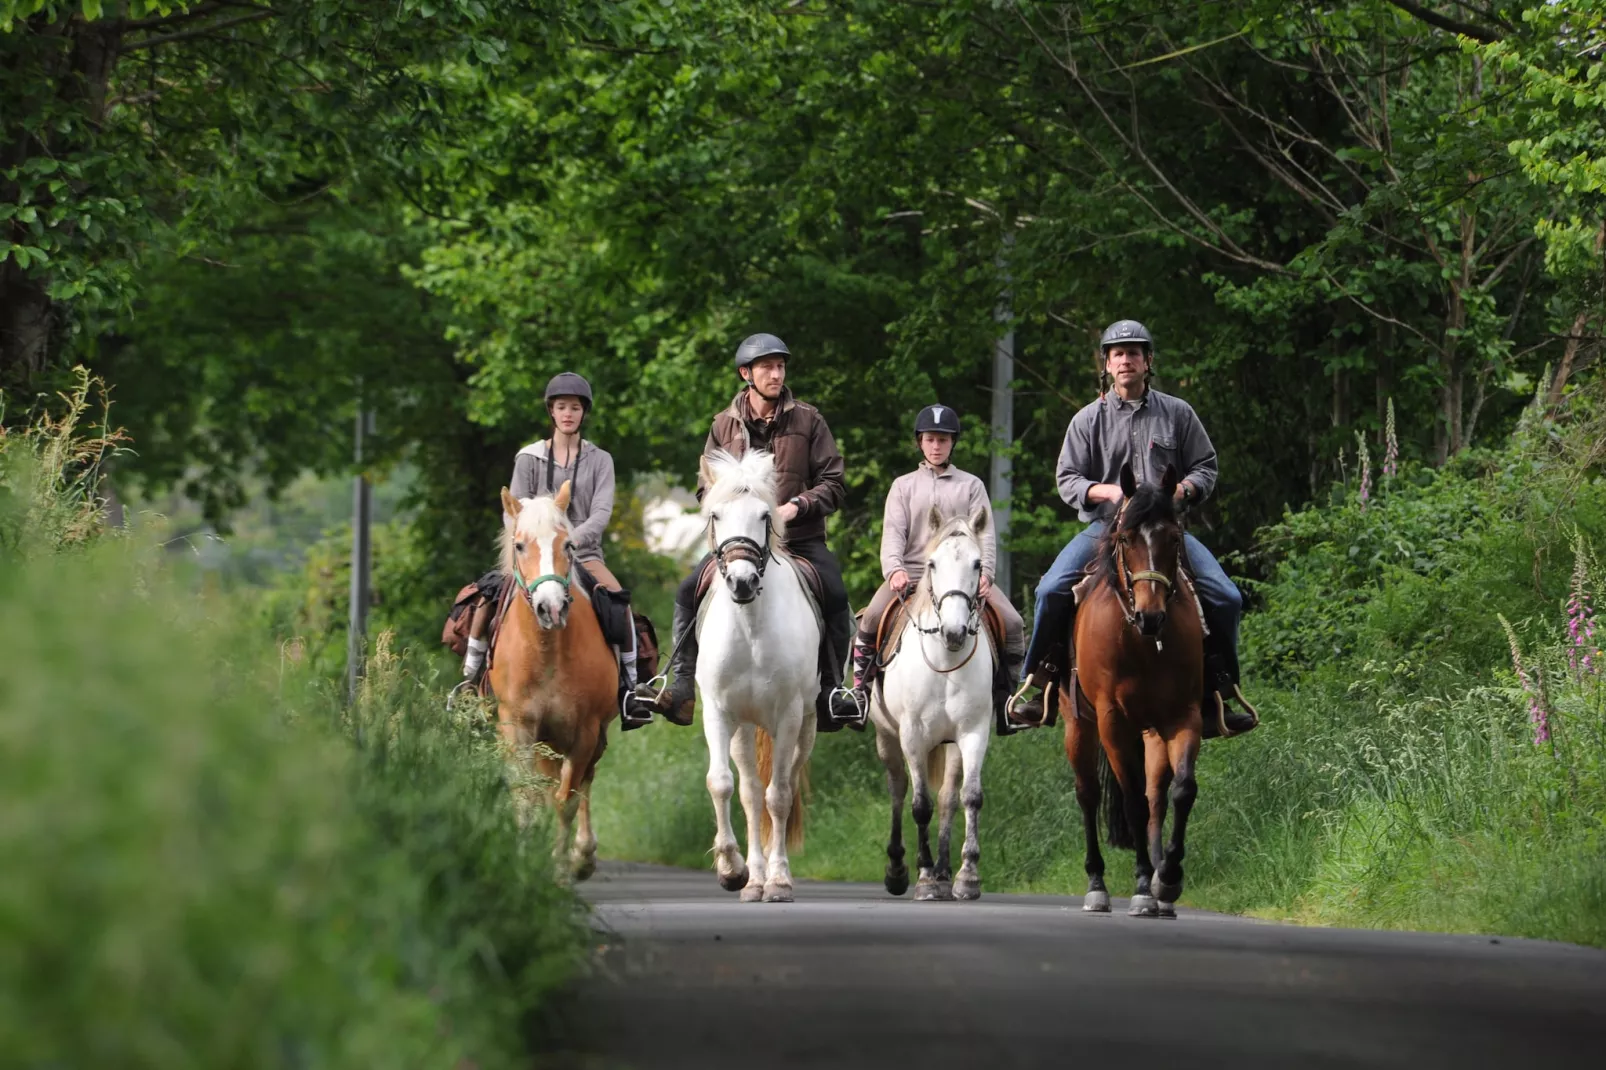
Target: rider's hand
1105,492
787,513
899,580
986,586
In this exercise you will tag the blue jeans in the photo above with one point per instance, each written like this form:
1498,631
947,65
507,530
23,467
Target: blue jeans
1223,604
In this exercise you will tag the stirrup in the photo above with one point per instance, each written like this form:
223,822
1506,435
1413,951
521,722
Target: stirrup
1015,701
860,701
661,682
1221,713
629,720
468,684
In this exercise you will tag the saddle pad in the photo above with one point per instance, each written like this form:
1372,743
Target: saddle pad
895,621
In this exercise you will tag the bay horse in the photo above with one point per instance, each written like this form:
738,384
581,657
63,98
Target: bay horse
933,712
554,674
758,633
1139,656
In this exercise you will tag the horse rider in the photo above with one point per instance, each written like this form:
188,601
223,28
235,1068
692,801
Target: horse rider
542,468
808,472
906,529
1133,422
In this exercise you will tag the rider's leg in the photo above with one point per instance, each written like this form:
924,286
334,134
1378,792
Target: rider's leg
1223,608
678,701
864,648
1014,653
1054,615
479,625
838,635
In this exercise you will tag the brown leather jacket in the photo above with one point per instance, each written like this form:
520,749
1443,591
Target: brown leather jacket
808,466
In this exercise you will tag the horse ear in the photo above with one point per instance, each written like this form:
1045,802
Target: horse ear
1129,482
705,474
978,522
562,500
934,519
510,504
1168,482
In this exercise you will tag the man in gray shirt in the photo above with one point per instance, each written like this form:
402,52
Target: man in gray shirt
1135,423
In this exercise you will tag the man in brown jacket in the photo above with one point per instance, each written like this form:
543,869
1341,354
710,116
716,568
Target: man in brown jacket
808,469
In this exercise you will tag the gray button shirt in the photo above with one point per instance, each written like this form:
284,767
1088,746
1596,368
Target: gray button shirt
1152,432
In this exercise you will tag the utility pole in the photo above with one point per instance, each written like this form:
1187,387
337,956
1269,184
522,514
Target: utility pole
1002,485
362,515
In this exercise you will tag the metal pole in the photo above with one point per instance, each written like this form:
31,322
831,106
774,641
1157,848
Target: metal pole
1002,485
362,509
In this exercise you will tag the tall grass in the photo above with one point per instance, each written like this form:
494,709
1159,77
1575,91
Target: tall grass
1396,780
208,860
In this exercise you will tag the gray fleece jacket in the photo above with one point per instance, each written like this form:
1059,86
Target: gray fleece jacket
590,498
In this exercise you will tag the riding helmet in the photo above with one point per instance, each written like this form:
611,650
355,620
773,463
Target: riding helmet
569,385
1127,331
756,347
937,418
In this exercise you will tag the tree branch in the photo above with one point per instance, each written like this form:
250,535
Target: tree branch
200,31
1445,22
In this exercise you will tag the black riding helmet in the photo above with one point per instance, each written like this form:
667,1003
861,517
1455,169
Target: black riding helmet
937,418
1127,331
569,385
758,346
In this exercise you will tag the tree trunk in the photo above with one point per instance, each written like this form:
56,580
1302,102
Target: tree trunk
1574,339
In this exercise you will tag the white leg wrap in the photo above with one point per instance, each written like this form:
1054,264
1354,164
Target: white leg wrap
475,658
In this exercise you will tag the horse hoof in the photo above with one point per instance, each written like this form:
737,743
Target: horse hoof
1168,910
1096,902
1167,893
753,893
933,892
1144,906
777,893
585,868
967,888
898,880
734,882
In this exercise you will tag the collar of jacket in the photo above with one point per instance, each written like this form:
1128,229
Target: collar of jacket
740,409
1123,403
938,473
538,449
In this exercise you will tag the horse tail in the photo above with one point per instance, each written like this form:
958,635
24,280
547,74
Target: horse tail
937,765
1117,831
794,820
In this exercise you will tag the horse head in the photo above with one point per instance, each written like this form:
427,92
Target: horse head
953,574
536,554
1145,549
743,528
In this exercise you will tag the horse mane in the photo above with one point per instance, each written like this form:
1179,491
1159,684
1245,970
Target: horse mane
1150,505
730,477
539,520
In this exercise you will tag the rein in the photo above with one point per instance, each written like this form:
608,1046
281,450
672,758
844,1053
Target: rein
972,621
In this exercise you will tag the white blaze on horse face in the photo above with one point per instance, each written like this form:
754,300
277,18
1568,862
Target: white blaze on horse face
1150,597
540,531
742,517
955,566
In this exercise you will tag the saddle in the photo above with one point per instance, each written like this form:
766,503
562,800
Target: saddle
889,633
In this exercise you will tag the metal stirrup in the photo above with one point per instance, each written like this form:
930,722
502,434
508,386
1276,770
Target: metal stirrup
860,702
1015,701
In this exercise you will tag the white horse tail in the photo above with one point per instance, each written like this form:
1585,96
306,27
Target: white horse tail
937,763
800,792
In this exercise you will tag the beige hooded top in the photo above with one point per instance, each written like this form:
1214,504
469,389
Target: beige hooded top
906,525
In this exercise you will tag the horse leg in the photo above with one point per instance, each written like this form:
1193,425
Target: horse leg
566,802
944,765
573,788
744,752
915,752
972,750
780,797
1081,748
1157,781
727,856
1124,748
1183,749
886,748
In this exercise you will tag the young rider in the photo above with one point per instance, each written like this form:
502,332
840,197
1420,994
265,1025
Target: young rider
541,469
1135,423
905,530
808,469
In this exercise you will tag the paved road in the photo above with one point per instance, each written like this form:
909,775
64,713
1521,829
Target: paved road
847,976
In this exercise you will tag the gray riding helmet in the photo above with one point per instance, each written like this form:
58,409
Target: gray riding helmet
1127,331
937,418
569,385
756,347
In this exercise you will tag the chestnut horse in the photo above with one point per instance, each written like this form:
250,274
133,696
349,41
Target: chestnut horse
554,674
1139,657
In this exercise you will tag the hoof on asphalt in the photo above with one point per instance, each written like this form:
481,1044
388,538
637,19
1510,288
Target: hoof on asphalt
1168,910
898,880
966,888
933,891
1096,902
777,893
753,893
1144,906
734,882
1167,893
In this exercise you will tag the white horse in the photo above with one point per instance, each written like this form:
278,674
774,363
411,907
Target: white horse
933,712
759,635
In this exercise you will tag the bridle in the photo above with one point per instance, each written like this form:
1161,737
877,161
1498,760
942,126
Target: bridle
741,548
529,586
1126,589
972,619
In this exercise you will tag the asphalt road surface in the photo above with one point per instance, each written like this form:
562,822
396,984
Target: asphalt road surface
848,976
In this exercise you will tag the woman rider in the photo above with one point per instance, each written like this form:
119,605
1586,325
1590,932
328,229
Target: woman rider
540,469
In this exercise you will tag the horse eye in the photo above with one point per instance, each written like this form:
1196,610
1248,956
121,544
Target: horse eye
519,546
976,565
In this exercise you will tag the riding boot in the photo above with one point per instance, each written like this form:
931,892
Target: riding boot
634,711
1051,635
837,707
1005,679
1221,717
851,705
678,701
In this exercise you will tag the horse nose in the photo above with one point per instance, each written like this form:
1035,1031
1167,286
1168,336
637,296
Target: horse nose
543,615
743,588
1151,623
953,638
